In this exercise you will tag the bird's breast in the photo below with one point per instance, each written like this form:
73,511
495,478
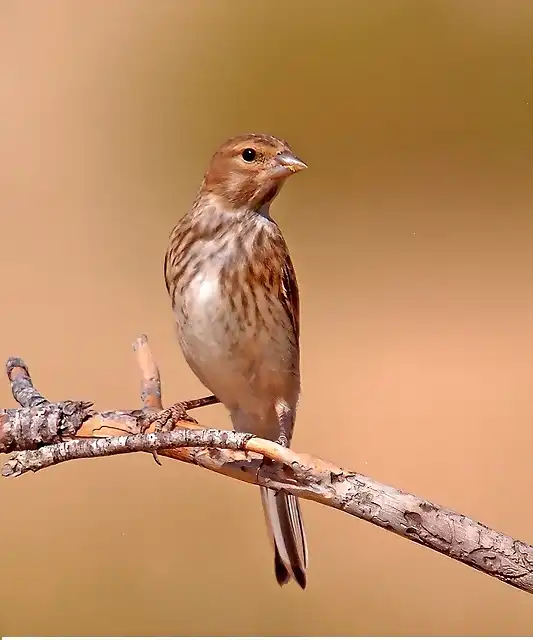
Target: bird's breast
238,341
204,311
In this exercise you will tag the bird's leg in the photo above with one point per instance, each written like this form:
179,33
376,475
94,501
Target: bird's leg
286,423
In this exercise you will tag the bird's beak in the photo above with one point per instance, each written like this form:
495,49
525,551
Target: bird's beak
287,163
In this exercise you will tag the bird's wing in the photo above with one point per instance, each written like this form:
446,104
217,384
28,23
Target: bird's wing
289,295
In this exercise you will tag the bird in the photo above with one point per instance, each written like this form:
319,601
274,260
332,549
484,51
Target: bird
235,300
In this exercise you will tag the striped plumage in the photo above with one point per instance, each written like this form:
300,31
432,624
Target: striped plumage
235,300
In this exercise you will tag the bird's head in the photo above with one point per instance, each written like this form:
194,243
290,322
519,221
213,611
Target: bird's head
249,170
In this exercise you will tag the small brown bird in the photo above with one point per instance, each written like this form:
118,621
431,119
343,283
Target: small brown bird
236,305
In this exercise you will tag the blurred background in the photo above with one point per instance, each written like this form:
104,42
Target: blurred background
412,236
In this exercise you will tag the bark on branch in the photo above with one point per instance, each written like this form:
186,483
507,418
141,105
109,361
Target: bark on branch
45,433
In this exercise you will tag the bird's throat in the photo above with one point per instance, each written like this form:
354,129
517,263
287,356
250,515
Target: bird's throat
264,206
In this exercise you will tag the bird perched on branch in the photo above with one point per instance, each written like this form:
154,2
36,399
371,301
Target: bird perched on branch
236,305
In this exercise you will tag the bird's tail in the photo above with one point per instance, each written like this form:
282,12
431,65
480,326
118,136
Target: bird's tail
285,526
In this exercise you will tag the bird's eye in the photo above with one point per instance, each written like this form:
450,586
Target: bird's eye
248,155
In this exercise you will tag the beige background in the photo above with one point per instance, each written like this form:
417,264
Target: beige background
412,235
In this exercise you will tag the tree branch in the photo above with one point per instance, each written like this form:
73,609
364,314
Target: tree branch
46,434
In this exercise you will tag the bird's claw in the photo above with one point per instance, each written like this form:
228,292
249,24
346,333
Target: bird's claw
283,441
166,419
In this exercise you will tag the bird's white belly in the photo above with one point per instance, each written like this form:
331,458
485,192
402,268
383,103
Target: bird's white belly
245,368
203,318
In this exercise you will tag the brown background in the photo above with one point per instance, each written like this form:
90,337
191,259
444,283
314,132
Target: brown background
412,235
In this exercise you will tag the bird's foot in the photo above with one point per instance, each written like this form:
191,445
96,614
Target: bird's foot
164,421
283,441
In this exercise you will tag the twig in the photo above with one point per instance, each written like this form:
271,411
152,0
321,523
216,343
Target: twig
239,455
150,378
97,447
39,422
21,385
